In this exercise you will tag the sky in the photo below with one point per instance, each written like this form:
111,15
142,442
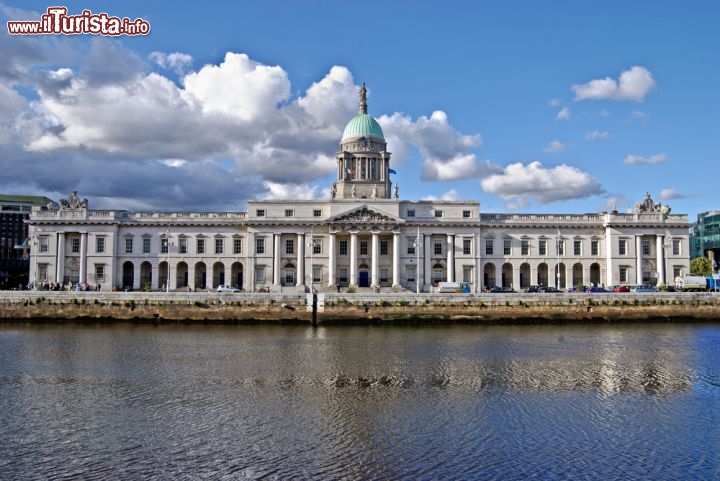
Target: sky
524,106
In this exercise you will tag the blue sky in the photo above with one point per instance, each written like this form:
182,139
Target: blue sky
525,106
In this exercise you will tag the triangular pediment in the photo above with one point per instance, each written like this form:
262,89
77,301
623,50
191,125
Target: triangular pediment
365,215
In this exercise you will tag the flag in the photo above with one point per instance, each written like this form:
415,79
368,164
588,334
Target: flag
392,171
347,171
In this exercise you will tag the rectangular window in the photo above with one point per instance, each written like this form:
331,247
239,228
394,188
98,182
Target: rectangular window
594,248
466,214
467,245
128,246
363,248
317,213
676,247
237,246
677,271
260,273
317,274
383,247
289,213
488,247
343,247
467,274
44,244
317,246
437,248
507,243
164,245
259,246
646,247
343,275
146,246
410,273
577,247
623,274
42,272
289,246
561,248
622,247
384,274
200,246
260,213
438,213
182,244
525,247
411,246
542,247
411,213
99,244
99,272
218,246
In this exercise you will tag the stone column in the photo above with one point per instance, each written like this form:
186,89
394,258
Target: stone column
353,259
60,267
191,275
276,260
332,259
609,268
155,275
83,257
300,260
450,258
638,260
660,259
396,261
374,262
427,261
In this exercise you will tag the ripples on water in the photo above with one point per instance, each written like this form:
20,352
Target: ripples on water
543,402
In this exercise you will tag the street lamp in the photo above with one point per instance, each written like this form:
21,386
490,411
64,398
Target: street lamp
167,257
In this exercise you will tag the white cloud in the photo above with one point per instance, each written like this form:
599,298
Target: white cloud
276,191
450,195
555,103
597,135
554,146
653,159
176,61
633,84
670,194
564,114
445,150
614,203
519,184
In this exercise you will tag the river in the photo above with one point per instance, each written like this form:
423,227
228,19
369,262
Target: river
590,402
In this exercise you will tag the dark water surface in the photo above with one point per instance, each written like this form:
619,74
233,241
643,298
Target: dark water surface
594,402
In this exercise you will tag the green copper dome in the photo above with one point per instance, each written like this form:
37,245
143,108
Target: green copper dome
362,125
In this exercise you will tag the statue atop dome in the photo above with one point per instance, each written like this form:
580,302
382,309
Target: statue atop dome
363,99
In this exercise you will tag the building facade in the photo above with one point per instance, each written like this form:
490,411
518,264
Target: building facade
705,240
362,235
14,242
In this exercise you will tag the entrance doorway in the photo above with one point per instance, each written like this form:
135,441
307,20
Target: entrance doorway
364,280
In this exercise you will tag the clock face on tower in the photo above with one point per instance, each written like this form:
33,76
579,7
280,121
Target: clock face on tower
363,143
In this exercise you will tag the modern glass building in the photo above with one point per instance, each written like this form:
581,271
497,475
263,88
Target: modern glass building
705,240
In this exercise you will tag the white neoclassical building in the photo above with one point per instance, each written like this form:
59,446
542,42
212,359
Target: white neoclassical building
363,235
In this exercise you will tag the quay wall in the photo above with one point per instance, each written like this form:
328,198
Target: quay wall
346,308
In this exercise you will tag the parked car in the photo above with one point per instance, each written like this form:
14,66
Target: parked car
644,288
549,290
224,288
533,289
597,289
622,289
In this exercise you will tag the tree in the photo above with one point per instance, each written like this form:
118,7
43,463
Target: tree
701,266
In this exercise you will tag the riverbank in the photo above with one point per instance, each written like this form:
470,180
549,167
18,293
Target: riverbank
343,308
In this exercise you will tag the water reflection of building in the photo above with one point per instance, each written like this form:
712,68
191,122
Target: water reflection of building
362,235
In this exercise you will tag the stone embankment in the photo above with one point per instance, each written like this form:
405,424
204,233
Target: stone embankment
342,308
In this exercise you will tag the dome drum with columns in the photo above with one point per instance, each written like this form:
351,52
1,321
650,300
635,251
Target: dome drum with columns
363,161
